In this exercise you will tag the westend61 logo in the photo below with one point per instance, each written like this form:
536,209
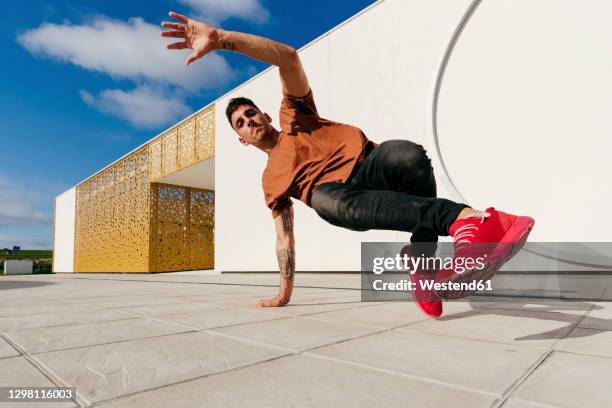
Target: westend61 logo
413,264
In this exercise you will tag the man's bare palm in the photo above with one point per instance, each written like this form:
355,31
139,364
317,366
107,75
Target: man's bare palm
198,36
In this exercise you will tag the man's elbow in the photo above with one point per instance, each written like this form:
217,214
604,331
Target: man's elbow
293,58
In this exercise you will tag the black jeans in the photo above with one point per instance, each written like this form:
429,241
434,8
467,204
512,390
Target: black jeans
393,189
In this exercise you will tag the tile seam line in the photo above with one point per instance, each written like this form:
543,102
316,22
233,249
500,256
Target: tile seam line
406,375
64,325
272,285
49,374
536,404
187,330
108,343
510,391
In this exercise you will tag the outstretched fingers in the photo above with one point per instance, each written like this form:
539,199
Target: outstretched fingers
176,34
178,16
177,46
174,26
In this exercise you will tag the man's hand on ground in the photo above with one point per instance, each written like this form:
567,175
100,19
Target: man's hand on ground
274,302
196,35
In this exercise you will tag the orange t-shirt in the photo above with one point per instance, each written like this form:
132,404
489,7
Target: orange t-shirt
310,151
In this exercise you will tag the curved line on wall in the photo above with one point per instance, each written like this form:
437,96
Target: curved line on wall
432,121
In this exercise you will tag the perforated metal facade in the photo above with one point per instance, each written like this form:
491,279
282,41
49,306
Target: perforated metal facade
182,228
125,222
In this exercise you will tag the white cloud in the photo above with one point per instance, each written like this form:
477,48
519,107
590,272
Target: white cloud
144,107
215,11
129,50
16,205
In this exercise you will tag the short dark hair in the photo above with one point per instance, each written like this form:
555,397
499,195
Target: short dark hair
234,104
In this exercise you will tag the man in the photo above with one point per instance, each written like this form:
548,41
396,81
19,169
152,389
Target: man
349,181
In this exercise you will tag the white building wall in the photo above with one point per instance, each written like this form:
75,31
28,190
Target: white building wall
523,119
525,114
63,250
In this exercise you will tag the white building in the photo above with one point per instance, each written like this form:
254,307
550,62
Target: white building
511,98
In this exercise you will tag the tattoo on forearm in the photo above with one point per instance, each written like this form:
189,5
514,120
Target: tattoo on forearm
287,221
229,45
286,263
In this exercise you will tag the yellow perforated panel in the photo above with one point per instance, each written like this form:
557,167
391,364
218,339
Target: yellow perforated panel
183,228
205,135
112,218
169,153
124,223
202,229
186,144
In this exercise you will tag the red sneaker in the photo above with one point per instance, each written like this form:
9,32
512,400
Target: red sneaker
492,238
425,299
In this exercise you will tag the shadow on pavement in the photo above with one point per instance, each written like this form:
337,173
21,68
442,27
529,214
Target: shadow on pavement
549,313
7,285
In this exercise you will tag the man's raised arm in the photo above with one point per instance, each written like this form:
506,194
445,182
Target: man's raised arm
285,253
203,39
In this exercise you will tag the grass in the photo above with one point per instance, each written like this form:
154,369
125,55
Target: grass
30,254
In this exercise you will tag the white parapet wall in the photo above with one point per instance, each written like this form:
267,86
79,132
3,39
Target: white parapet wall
63,242
523,119
18,266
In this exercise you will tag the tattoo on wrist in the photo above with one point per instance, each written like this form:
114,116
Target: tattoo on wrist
287,221
286,263
229,45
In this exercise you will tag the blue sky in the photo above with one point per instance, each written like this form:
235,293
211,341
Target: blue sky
84,82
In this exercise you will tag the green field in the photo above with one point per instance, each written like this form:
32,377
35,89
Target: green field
30,254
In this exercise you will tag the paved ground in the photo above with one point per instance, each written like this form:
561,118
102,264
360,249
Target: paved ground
194,340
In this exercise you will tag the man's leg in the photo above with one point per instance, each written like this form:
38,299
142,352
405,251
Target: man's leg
393,189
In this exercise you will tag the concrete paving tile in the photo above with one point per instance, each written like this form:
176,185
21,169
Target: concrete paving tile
247,302
327,296
18,372
127,301
92,299
301,309
502,326
301,381
219,317
61,318
42,309
570,380
65,337
566,286
22,301
519,403
384,316
587,341
165,309
296,333
6,350
109,371
599,318
577,308
479,365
